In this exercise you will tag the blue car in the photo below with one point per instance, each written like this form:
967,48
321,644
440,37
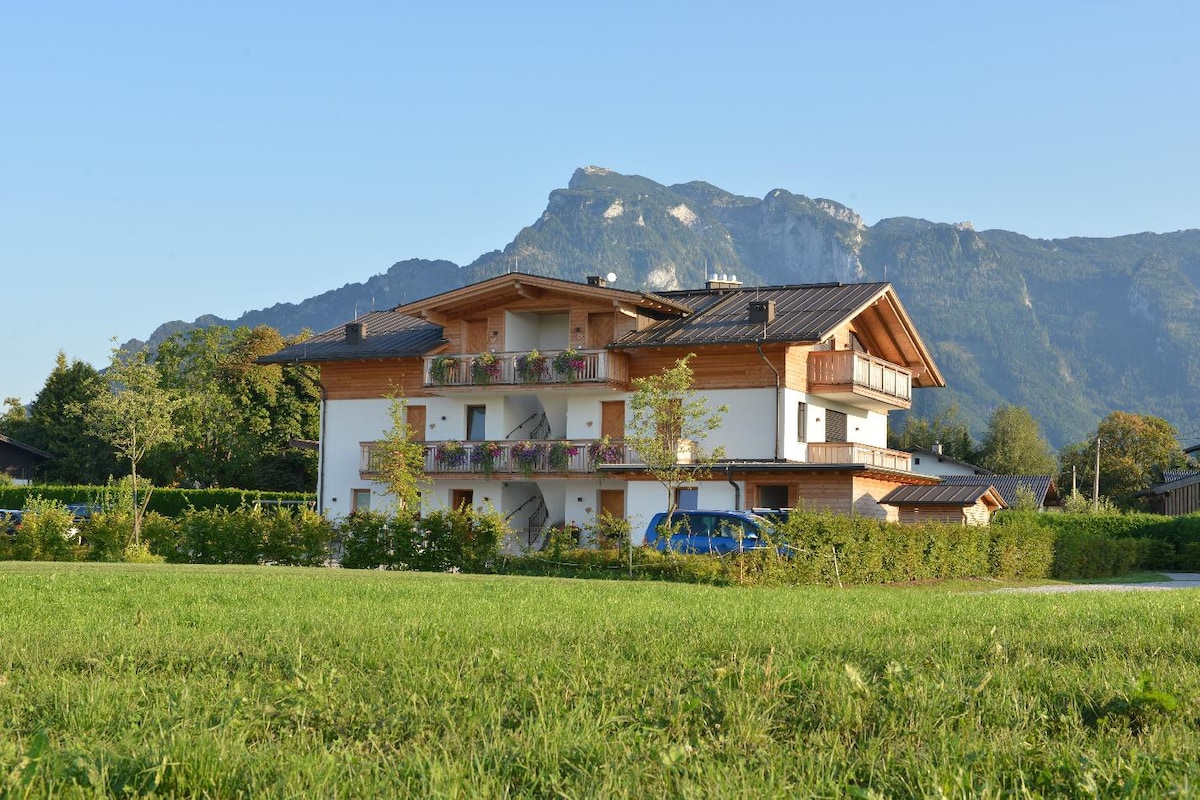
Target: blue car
710,532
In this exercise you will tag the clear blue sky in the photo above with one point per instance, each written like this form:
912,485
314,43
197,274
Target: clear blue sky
166,160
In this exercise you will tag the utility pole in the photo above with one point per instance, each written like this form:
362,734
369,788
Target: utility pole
1096,480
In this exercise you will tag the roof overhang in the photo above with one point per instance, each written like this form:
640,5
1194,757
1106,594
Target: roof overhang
505,289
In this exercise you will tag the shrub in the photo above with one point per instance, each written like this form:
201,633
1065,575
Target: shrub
47,533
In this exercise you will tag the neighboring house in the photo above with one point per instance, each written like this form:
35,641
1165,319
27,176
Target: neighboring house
966,504
935,462
1042,487
19,460
1177,495
809,374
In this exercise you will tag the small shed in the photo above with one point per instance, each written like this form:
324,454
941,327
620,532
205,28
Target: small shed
1042,487
1175,497
965,505
19,460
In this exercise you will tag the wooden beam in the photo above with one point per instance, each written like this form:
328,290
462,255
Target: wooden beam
528,292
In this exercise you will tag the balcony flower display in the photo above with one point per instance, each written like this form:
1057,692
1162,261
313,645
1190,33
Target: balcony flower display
569,364
485,368
442,369
451,454
526,456
605,451
561,454
484,455
531,367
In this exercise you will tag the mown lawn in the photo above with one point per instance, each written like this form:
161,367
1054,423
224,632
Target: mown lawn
244,681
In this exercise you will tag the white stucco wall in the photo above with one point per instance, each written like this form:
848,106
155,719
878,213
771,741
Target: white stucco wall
346,424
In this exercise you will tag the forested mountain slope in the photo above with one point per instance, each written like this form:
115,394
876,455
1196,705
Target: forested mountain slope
1070,328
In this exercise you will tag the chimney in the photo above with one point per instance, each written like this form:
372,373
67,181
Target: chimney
722,282
937,448
596,280
356,331
762,311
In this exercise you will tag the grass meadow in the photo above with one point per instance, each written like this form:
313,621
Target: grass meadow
126,679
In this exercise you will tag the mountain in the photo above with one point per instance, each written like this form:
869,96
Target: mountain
1069,328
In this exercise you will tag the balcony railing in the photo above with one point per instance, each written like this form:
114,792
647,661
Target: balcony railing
848,371
543,457
853,453
552,367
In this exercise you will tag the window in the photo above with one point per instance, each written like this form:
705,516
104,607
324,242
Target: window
360,500
687,498
801,422
476,427
773,496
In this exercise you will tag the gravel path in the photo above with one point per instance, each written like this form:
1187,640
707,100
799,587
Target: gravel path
1178,580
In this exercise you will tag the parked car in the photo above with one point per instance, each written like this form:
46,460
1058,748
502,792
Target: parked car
712,532
83,511
10,520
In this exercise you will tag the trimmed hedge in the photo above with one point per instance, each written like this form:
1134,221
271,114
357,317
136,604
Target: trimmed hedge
823,548
1099,545
169,502
460,539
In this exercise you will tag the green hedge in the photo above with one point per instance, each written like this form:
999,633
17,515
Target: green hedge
444,540
1099,545
824,548
168,502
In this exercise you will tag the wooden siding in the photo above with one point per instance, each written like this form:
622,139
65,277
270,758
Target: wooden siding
976,514
949,514
715,366
1184,500
363,380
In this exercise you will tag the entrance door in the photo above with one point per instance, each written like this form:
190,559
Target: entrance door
477,336
599,330
416,422
461,497
613,502
612,419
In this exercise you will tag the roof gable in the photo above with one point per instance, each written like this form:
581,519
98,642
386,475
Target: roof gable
517,286
804,314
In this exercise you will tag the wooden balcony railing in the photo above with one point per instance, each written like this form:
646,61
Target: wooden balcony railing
853,453
548,457
551,367
851,372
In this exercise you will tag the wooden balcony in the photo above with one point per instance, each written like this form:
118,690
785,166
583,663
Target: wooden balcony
859,380
853,453
475,371
507,458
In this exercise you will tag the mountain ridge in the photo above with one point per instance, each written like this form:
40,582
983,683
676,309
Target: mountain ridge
1068,328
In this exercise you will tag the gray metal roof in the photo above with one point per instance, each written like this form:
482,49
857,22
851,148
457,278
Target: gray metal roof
1006,485
939,495
802,314
1180,479
386,335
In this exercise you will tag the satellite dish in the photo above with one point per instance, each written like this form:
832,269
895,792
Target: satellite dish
610,277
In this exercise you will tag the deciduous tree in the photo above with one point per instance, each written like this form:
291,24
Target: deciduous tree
667,420
1013,444
134,415
401,463
1134,450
